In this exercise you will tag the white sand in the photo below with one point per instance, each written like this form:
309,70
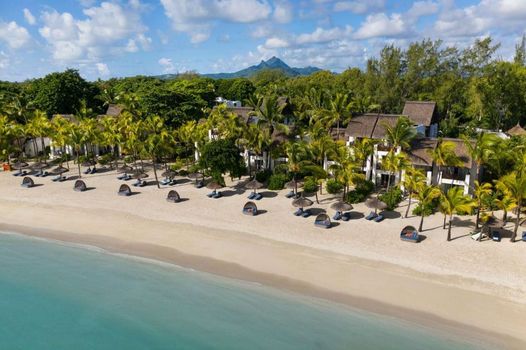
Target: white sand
461,285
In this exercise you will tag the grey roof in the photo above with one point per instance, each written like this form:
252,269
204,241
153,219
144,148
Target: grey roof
421,112
362,125
420,151
383,120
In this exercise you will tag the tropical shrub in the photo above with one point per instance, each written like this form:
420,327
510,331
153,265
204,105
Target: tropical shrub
310,185
264,175
277,182
361,191
334,186
392,198
428,209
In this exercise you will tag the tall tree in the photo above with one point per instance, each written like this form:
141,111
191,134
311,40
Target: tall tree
453,202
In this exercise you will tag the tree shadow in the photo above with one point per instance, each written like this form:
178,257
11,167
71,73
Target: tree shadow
269,194
316,211
462,223
391,214
230,193
354,215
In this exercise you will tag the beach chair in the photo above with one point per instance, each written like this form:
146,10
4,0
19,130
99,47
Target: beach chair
80,186
252,195
258,196
298,212
62,179
306,213
346,216
173,197
172,182
379,218
409,234
524,236
290,194
217,195
124,190
211,194
87,171
250,208
27,182
337,216
93,171
200,184
164,182
322,220
496,236
371,216
478,236
121,177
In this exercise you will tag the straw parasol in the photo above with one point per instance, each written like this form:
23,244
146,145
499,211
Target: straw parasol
302,202
169,173
376,204
214,185
253,185
89,162
125,169
19,165
292,184
195,176
39,165
59,170
139,175
341,206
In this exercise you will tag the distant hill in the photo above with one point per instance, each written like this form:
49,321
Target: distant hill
272,63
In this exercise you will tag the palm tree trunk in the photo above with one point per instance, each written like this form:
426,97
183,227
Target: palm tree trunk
444,224
420,228
517,222
155,172
78,163
478,216
408,205
449,228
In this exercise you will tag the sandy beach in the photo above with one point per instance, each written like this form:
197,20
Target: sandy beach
463,287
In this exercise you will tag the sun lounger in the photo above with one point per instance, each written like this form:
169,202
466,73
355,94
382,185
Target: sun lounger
337,216
306,213
93,171
378,218
217,195
371,216
200,184
298,212
164,182
478,236
252,195
524,236
211,194
61,179
87,171
496,236
290,194
346,216
258,196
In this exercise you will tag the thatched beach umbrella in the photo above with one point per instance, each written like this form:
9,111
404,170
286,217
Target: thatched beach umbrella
89,163
376,204
125,169
39,166
302,202
214,185
19,165
195,176
341,206
253,185
139,175
59,170
294,185
169,173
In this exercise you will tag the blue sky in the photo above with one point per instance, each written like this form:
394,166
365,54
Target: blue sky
115,38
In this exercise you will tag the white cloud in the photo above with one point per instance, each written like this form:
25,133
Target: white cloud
381,25
30,19
321,35
276,43
282,11
4,60
14,35
196,17
359,6
109,29
103,69
167,64
422,8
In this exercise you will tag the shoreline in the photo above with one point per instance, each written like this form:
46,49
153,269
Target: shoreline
473,290
225,269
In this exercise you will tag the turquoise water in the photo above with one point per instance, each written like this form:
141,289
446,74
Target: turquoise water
54,296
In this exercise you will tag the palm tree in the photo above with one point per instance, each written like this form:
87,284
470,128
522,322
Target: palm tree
157,141
413,180
76,139
346,168
61,130
444,155
481,149
515,183
297,159
363,150
426,195
480,192
394,162
339,110
454,202
110,135
38,127
401,134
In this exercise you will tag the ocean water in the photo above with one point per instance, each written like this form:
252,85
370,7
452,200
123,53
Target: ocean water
54,296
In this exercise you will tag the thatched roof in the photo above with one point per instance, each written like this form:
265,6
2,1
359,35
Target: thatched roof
421,112
420,151
361,126
461,151
384,119
517,130
243,113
